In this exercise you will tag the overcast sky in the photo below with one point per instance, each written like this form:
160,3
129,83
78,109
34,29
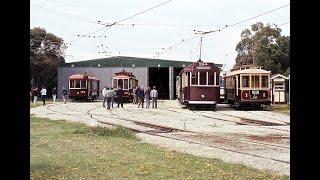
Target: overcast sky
156,30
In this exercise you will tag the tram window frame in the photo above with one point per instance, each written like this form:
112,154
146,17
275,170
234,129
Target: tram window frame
81,86
115,83
217,78
203,78
245,77
210,78
255,81
72,84
77,82
266,81
120,83
194,78
125,86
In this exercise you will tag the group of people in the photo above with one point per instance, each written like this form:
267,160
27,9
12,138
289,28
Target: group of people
34,93
109,95
140,96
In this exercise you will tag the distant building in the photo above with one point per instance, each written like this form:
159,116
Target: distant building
279,89
149,72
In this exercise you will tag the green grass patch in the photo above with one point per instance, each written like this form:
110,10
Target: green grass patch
65,150
282,108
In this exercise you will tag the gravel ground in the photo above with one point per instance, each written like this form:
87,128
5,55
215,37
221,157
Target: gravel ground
220,136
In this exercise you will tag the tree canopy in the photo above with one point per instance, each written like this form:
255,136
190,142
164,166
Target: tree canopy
264,46
46,54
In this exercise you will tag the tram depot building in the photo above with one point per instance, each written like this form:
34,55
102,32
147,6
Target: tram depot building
149,72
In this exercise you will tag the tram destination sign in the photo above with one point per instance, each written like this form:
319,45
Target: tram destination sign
202,65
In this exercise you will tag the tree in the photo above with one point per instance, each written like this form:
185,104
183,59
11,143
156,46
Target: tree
46,54
264,46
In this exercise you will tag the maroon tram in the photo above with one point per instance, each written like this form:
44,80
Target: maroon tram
127,81
247,86
83,87
198,85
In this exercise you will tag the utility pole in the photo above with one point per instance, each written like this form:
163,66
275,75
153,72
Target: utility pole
202,33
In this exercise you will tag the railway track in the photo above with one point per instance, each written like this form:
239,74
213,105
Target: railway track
245,121
157,130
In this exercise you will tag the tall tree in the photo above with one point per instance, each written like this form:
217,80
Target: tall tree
46,54
264,46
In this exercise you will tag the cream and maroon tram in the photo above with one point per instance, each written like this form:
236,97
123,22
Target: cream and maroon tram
83,87
198,85
127,81
247,86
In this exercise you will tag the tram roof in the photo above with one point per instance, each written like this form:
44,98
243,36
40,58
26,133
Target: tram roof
248,71
81,76
125,61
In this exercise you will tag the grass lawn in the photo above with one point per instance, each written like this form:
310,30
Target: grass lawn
283,108
65,150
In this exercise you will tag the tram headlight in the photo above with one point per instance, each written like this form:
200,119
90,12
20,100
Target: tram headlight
264,94
203,96
246,95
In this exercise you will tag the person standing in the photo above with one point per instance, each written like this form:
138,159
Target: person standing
135,95
140,96
54,94
154,97
147,97
104,93
64,94
35,95
120,93
109,96
114,94
43,95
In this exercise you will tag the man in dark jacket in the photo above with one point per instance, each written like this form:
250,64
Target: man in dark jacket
140,95
120,93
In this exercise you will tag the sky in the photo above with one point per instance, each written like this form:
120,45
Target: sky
161,33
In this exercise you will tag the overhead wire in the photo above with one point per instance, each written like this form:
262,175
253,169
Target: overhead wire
226,26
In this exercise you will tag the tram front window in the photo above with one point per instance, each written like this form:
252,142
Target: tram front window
203,78
194,79
245,81
120,83
77,83
255,81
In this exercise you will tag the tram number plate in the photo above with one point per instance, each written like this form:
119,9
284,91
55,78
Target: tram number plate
255,92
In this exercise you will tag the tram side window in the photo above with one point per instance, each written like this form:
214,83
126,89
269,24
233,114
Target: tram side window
203,78
264,81
217,79
130,83
83,84
194,79
125,84
115,83
255,81
245,81
77,83
71,84
94,85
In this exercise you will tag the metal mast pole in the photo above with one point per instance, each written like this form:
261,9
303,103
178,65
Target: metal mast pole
200,46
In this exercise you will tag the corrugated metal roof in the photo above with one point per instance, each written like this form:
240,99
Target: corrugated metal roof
124,61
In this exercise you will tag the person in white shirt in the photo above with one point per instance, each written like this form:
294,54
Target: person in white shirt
104,93
154,97
43,95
